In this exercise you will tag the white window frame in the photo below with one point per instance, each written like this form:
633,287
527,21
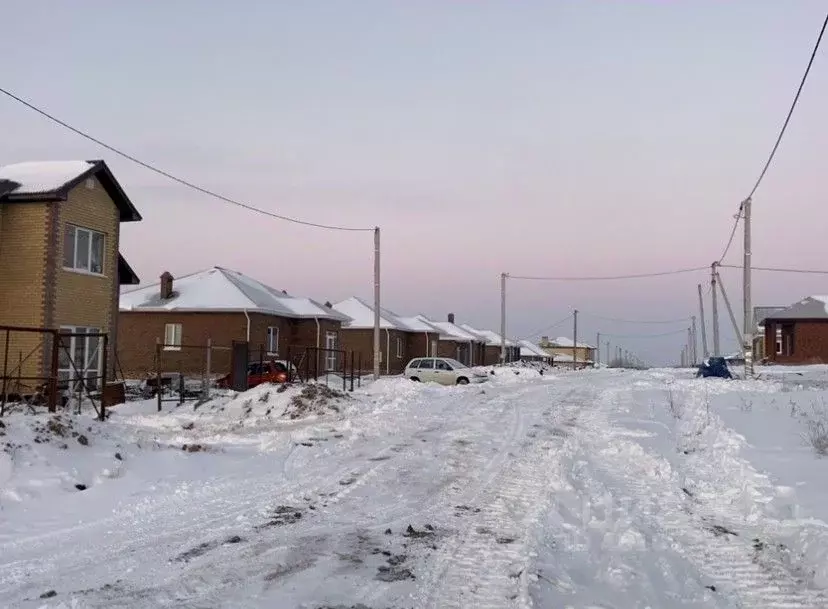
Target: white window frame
95,358
400,352
172,336
76,267
330,356
272,340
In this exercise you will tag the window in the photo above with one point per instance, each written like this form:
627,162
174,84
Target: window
399,348
414,363
427,364
273,340
778,346
441,365
79,358
172,337
330,353
83,250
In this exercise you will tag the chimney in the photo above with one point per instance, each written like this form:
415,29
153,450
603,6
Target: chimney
451,318
544,340
166,285
328,304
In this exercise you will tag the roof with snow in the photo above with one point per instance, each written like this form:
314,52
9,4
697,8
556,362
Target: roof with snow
361,315
450,331
529,349
52,181
812,307
564,342
491,338
760,314
223,290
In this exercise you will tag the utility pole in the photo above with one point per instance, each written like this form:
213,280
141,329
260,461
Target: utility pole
377,351
730,310
748,304
695,342
575,341
705,352
609,358
597,349
713,274
690,357
503,277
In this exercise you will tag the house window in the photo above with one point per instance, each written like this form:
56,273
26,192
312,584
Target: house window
778,346
273,340
172,337
80,358
83,250
330,353
399,348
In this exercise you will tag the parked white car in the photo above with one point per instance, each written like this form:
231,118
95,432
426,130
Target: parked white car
443,370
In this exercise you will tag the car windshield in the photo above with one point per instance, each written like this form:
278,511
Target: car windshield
455,364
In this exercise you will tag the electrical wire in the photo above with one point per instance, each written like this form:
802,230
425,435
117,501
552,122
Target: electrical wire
610,278
632,321
777,270
554,325
732,234
791,111
673,333
174,178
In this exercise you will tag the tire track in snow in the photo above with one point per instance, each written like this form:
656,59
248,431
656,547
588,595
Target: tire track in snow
726,559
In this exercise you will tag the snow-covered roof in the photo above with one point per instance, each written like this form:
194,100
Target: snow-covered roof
812,307
564,342
529,349
415,324
223,290
491,338
361,315
37,177
450,331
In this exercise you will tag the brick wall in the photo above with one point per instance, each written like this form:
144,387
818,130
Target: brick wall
23,248
83,299
810,342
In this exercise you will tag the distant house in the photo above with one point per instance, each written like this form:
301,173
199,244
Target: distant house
492,346
220,306
60,267
401,338
562,346
457,343
530,352
760,314
799,333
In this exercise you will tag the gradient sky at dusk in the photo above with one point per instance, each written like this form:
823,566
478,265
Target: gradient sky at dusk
537,138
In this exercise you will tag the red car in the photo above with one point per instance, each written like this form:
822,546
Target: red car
266,372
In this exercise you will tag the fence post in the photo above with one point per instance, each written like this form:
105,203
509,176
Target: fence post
359,366
5,373
289,365
180,387
53,379
205,386
307,365
158,371
103,375
352,370
344,371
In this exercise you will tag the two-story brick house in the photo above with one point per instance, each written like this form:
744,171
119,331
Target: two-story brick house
60,266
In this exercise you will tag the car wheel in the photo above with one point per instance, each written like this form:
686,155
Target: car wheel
462,381
415,379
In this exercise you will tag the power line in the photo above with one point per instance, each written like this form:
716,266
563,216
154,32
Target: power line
610,278
632,321
673,333
778,270
732,234
172,177
554,325
791,111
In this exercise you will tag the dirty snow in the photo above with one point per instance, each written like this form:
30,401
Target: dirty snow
594,489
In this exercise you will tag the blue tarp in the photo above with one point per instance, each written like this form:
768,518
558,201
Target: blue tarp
715,367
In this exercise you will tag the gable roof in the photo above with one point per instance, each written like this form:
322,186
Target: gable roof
568,343
223,290
361,315
760,314
491,338
529,349
812,307
451,332
52,180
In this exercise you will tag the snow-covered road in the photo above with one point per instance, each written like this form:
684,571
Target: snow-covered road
598,489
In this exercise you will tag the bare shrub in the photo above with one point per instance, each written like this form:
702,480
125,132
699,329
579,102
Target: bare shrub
817,436
676,409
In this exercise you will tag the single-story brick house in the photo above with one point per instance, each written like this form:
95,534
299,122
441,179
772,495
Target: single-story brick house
401,338
457,343
563,346
760,314
799,333
530,352
492,346
220,306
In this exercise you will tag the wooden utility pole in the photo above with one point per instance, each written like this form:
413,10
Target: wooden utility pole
503,317
695,343
597,349
729,310
575,340
705,352
748,305
377,347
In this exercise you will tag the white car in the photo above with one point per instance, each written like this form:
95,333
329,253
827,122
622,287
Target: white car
443,370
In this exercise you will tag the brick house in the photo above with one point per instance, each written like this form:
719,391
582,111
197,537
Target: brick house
219,306
401,338
492,346
760,314
457,343
799,333
562,349
60,266
530,352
